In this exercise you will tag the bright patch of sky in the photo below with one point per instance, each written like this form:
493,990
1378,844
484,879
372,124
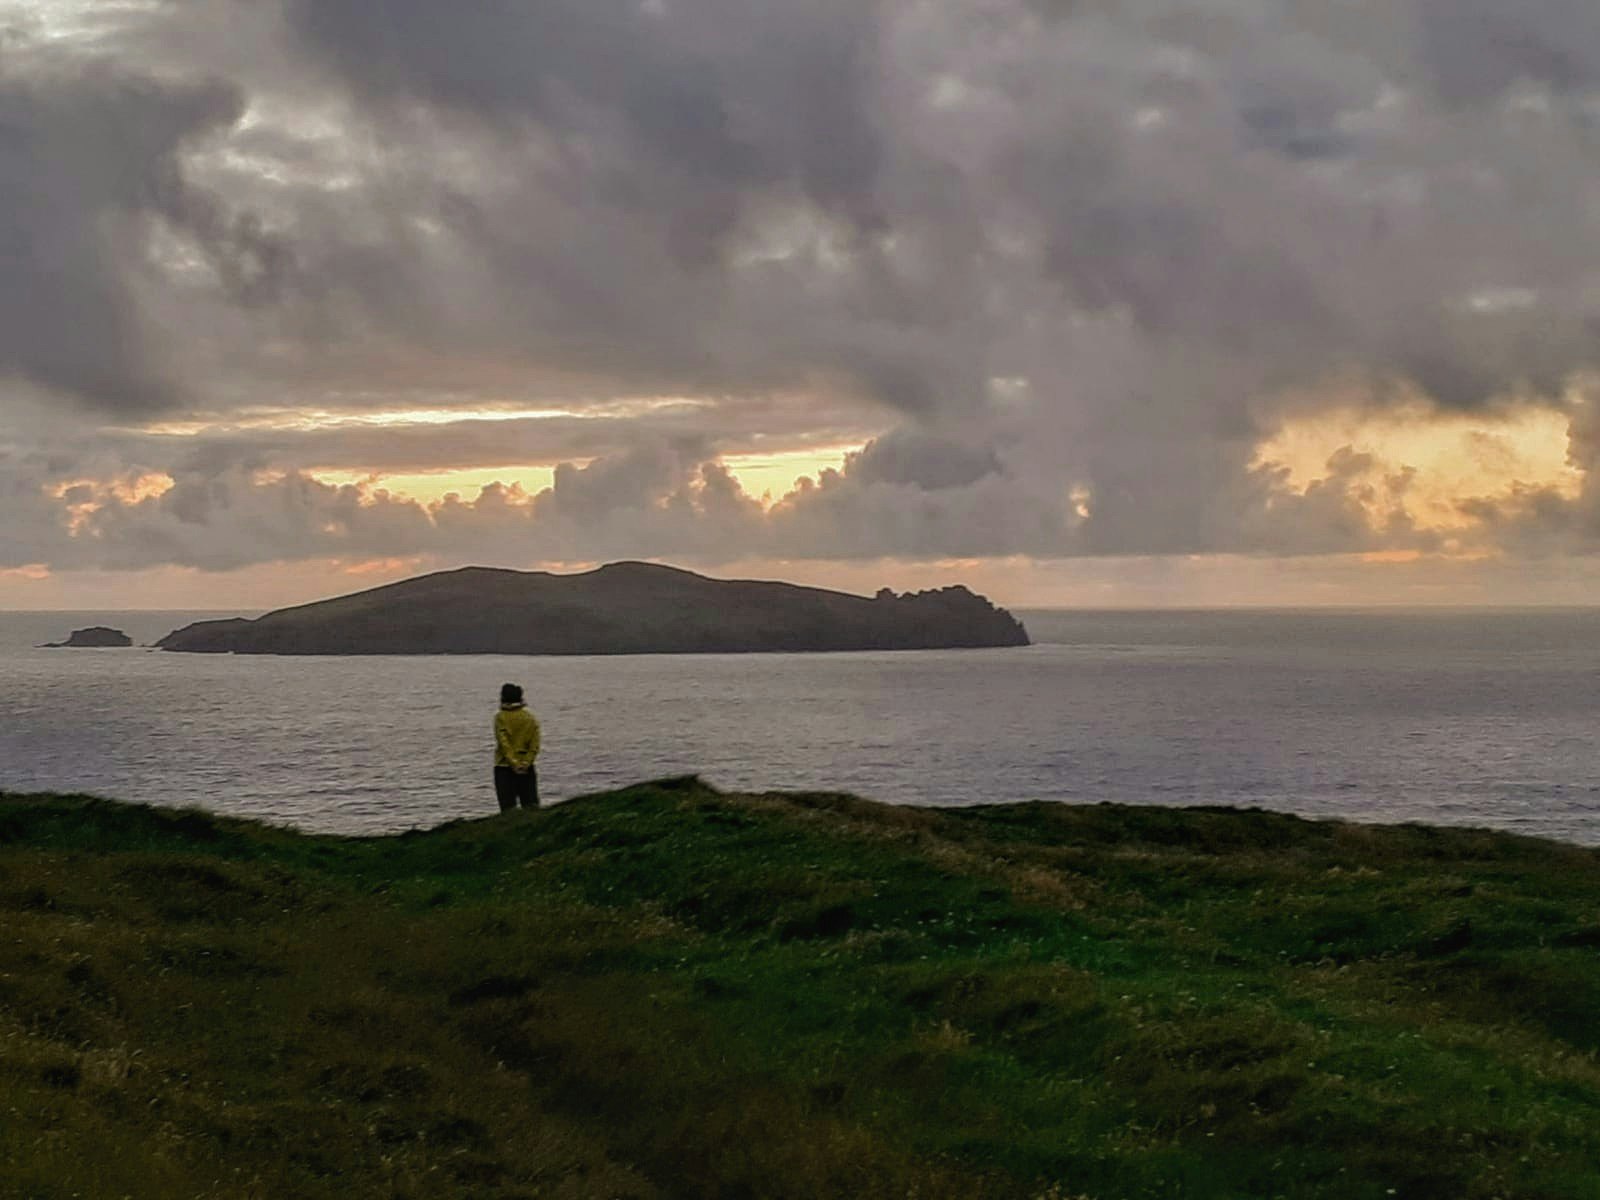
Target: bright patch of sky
431,487
1425,463
302,420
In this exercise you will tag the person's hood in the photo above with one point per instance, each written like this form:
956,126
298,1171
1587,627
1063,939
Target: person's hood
513,707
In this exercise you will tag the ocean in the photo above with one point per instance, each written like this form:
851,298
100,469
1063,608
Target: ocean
1462,717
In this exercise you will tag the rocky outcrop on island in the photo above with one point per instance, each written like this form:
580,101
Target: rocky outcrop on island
95,637
622,608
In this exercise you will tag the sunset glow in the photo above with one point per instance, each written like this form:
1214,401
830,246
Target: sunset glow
1426,464
317,420
771,477
431,487
764,477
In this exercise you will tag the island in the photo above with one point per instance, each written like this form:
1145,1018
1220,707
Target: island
95,637
621,608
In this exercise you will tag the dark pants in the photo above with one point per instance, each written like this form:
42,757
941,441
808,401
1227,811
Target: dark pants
512,788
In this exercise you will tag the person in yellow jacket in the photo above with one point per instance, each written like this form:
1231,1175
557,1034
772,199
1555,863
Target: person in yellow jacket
516,746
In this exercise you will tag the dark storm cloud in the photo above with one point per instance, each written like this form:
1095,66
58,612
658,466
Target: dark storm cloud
1475,50
711,96
689,194
89,159
36,523
927,462
1070,262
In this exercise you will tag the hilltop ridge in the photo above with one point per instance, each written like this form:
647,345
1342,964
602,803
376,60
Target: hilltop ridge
620,608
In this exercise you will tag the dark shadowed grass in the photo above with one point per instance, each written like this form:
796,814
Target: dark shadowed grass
667,991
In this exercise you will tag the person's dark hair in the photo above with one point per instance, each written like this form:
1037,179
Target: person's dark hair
510,693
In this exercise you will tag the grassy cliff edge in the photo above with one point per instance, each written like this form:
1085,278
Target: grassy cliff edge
671,991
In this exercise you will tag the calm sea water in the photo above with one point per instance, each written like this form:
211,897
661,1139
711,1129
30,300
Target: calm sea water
1479,718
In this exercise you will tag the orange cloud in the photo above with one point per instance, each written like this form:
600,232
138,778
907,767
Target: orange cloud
1422,464
385,566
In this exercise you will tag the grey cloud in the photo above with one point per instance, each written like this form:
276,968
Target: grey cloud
926,461
233,519
631,481
1300,135
89,157
718,94
1074,254
1477,49
220,516
36,525
642,160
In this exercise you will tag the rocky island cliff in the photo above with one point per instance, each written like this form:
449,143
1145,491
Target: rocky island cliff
621,608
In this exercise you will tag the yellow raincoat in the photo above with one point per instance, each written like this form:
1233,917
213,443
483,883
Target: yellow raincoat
516,737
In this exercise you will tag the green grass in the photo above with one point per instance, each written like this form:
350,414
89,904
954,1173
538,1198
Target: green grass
671,992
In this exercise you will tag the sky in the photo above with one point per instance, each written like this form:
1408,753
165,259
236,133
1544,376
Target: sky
1080,302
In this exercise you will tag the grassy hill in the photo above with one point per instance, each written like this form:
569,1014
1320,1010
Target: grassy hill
671,992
